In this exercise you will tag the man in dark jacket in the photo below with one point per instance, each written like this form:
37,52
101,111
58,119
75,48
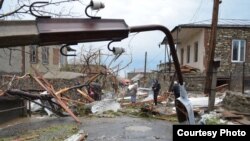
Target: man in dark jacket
156,88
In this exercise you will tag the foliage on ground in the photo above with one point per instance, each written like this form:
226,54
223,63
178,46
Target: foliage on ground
56,132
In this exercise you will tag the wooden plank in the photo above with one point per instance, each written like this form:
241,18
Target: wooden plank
85,95
240,113
221,87
62,91
229,115
243,121
75,101
53,93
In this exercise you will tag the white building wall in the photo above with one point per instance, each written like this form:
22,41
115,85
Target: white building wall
40,66
10,60
201,50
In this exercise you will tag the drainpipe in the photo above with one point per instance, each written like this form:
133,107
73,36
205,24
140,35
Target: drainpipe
170,42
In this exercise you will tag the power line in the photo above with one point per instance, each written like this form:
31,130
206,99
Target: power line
197,11
225,21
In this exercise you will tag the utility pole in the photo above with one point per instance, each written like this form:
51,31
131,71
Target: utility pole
210,60
145,69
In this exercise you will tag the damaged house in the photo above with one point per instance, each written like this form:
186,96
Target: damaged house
232,48
19,61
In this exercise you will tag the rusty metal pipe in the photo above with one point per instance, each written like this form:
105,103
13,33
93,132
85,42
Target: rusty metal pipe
170,42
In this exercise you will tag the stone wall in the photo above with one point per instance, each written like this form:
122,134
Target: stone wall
224,46
194,82
227,69
237,101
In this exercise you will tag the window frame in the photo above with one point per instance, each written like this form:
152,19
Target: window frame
196,51
45,55
188,54
182,56
33,54
239,50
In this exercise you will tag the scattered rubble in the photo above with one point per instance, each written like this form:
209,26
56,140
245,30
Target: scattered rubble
189,69
237,101
212,118
112,104
80,136
105,105
203,101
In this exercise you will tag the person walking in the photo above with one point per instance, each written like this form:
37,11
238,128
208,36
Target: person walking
156,89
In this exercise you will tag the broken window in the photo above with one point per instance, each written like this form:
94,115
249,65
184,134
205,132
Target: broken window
238,50
188,54
196,52
33,54
45,55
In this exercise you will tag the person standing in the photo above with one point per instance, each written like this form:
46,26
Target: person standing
156,89
133,91
176,90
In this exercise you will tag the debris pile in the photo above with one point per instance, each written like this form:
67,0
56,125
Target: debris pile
188,69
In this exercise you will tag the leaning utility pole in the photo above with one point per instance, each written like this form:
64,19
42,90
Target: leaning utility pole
210,60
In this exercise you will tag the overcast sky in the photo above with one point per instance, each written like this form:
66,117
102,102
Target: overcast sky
169,13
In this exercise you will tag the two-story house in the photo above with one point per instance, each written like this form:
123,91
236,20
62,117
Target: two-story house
232,47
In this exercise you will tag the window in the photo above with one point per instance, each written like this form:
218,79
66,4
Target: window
33,54
45,55
182,56
56,54
188,54
238,50
196,52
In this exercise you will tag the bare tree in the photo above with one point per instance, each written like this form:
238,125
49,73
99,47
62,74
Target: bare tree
87,58
19,9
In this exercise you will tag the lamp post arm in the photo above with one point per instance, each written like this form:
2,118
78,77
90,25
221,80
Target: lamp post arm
170,42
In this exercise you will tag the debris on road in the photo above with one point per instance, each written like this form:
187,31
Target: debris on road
80,136
105,105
